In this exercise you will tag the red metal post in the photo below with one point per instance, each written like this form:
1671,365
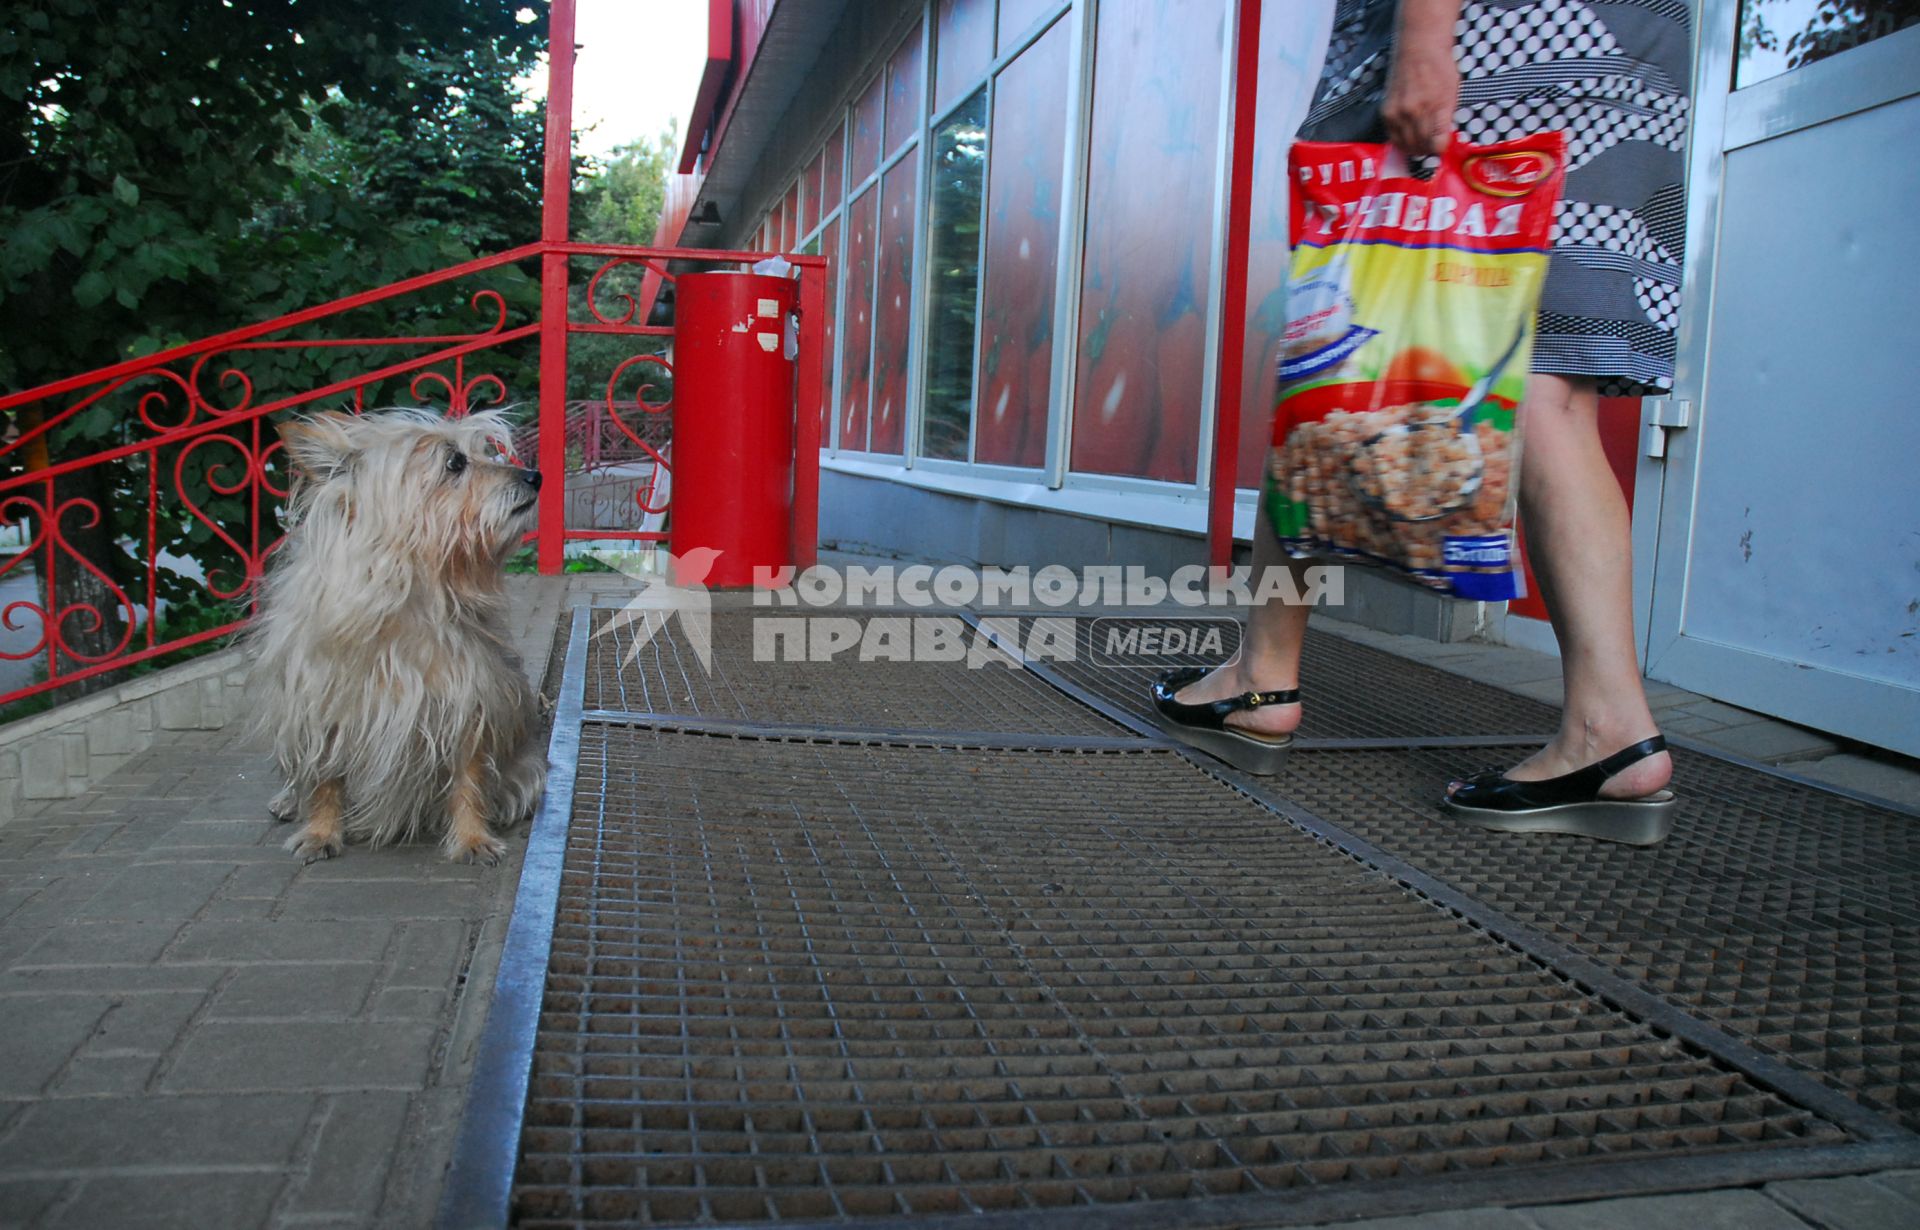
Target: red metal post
1233,307
735,468
806,435
555,201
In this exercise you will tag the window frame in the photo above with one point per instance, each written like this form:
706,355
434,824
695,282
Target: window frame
1053,481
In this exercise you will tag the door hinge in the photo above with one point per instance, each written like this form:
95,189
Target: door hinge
1659,415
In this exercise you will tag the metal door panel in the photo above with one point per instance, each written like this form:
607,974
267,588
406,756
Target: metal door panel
1788,570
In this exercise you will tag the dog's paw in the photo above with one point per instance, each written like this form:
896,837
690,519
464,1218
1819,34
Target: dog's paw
484,848
310,847
284,806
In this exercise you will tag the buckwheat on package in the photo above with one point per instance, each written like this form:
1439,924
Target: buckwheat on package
1410,333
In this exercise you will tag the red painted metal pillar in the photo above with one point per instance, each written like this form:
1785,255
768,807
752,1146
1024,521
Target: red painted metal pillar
806,435
556,195
1233,306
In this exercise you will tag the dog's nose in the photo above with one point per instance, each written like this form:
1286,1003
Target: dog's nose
531,478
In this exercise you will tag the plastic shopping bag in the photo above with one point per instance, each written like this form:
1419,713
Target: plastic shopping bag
1409,336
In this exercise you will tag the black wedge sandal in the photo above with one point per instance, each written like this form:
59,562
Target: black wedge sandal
1204,726
1570,803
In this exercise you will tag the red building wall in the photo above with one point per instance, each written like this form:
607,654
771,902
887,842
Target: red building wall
1620,437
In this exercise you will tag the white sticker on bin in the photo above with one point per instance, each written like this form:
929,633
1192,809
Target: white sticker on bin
769,307
768,341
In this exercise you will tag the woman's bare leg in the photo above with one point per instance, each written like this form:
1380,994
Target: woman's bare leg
1580,540
1269,657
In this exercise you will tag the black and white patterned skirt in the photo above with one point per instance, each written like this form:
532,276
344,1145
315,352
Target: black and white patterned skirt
1614,78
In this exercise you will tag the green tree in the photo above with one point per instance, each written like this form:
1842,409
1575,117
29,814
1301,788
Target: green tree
620,201
174,167
148,136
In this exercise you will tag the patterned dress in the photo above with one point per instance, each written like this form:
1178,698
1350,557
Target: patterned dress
1613,76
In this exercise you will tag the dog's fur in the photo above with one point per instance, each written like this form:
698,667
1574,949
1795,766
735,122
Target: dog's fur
381,674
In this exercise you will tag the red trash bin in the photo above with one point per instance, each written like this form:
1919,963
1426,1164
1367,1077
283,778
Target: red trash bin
733,425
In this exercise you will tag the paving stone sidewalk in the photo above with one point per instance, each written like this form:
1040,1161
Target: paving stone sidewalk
201,1032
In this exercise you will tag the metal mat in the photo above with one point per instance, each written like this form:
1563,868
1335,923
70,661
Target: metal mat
637,667
1035,969
1788,914
1352,691
796,981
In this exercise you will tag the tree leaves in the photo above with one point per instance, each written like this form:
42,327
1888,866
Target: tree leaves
621,201
154,151
91,289
172,168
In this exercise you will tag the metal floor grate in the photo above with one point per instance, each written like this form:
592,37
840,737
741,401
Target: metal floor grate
1787,914
663,675
1353,691
795,980
783,955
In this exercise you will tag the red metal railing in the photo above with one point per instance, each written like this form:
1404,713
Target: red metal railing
181,506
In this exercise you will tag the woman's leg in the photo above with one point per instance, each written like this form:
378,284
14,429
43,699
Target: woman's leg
1579,538
1269,657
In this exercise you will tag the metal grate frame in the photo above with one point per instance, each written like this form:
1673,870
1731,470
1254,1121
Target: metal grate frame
1064,1036
806,981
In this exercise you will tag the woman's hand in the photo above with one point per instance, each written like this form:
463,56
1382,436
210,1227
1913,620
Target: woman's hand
1423,88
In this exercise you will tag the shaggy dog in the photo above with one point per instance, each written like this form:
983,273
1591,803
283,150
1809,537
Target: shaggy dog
381,674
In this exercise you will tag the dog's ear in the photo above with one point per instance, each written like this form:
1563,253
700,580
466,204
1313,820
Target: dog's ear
321,445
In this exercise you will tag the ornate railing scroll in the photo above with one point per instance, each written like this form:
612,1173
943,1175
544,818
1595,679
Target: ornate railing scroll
147,497
620,365
619,362
141,503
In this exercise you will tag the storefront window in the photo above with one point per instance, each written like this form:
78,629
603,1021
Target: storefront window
856,363
1017,17
829,243
866,132
832,158
893,307
963,45
956,181
1152,173
1778,36
810,196
905,89
1022,254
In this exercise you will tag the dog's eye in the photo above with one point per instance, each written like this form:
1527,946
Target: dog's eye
456,462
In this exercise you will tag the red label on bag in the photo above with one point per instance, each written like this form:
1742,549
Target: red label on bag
1498,199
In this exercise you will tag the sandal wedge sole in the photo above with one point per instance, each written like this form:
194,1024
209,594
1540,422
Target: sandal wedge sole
1260,757
1633,822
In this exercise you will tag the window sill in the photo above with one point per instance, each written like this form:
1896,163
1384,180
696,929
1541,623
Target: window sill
1147,505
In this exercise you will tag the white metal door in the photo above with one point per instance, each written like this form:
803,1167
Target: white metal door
1786,539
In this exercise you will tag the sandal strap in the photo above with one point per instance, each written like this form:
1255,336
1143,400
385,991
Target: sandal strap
1630,756
1500,792
1583,784
1212,714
